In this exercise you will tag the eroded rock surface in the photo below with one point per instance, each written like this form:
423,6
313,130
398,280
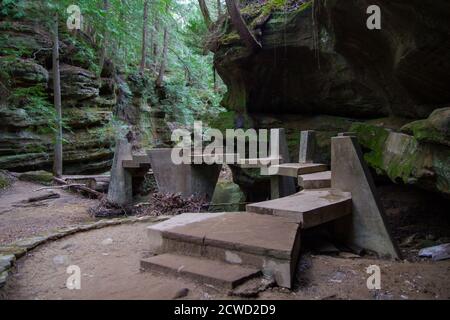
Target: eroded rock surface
321,68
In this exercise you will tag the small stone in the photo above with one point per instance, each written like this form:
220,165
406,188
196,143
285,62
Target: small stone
60,260
440,252
6,261
181,293
107,242
408,240
431,237
3,277
348,255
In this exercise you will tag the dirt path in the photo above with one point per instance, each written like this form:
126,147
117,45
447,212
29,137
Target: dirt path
19,220
109,262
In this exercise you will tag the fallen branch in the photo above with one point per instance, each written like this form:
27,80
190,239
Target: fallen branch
61,187
94,193
51,195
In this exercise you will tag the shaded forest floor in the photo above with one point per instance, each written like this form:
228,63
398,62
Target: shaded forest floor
109,262
20,219
109,258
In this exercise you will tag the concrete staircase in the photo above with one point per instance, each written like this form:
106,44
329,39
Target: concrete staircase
226,249
229,248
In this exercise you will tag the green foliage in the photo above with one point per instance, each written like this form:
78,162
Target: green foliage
12,8
35,101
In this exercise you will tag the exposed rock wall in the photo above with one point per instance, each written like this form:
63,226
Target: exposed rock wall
92,101
319,61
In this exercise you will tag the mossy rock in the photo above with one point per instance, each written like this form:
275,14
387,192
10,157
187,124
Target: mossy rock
435,129
41,177
227,197
404,159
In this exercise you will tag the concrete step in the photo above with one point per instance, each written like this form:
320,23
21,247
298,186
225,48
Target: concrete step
309,207
258,163
137,161
295,169
262,241
213,272
317,180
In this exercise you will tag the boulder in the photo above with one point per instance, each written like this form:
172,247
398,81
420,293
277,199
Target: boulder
404,159
434,129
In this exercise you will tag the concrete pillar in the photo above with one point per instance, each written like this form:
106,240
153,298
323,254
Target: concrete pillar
120,189
366,227
186,179
307,146
281,186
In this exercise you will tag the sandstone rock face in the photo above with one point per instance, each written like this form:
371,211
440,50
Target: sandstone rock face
26,104
77,84
321,68
341,67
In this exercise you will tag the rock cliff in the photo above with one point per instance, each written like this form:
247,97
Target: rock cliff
321,68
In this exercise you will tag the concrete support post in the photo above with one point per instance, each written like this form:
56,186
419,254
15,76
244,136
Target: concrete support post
281,186
366,227
307,146
120,189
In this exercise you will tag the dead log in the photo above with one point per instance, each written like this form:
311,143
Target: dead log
50,195
60,187
89,191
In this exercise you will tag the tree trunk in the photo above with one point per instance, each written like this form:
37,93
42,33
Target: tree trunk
155,43
238,22
219,8
144,37
105,40
162,68
154,35
58,157
205,13
216,85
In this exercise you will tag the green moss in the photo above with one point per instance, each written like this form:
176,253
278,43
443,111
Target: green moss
4,181
423,131
42,177
223,121
305,6
229,38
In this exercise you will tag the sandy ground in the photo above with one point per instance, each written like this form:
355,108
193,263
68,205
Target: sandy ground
109,259
19,220
109,262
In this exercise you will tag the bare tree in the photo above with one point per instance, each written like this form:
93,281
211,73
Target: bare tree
154,46
144,37
205,13
219,8
238,22
58,156
162,68
105,39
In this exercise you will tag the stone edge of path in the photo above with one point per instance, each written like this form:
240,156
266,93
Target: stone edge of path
13,251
